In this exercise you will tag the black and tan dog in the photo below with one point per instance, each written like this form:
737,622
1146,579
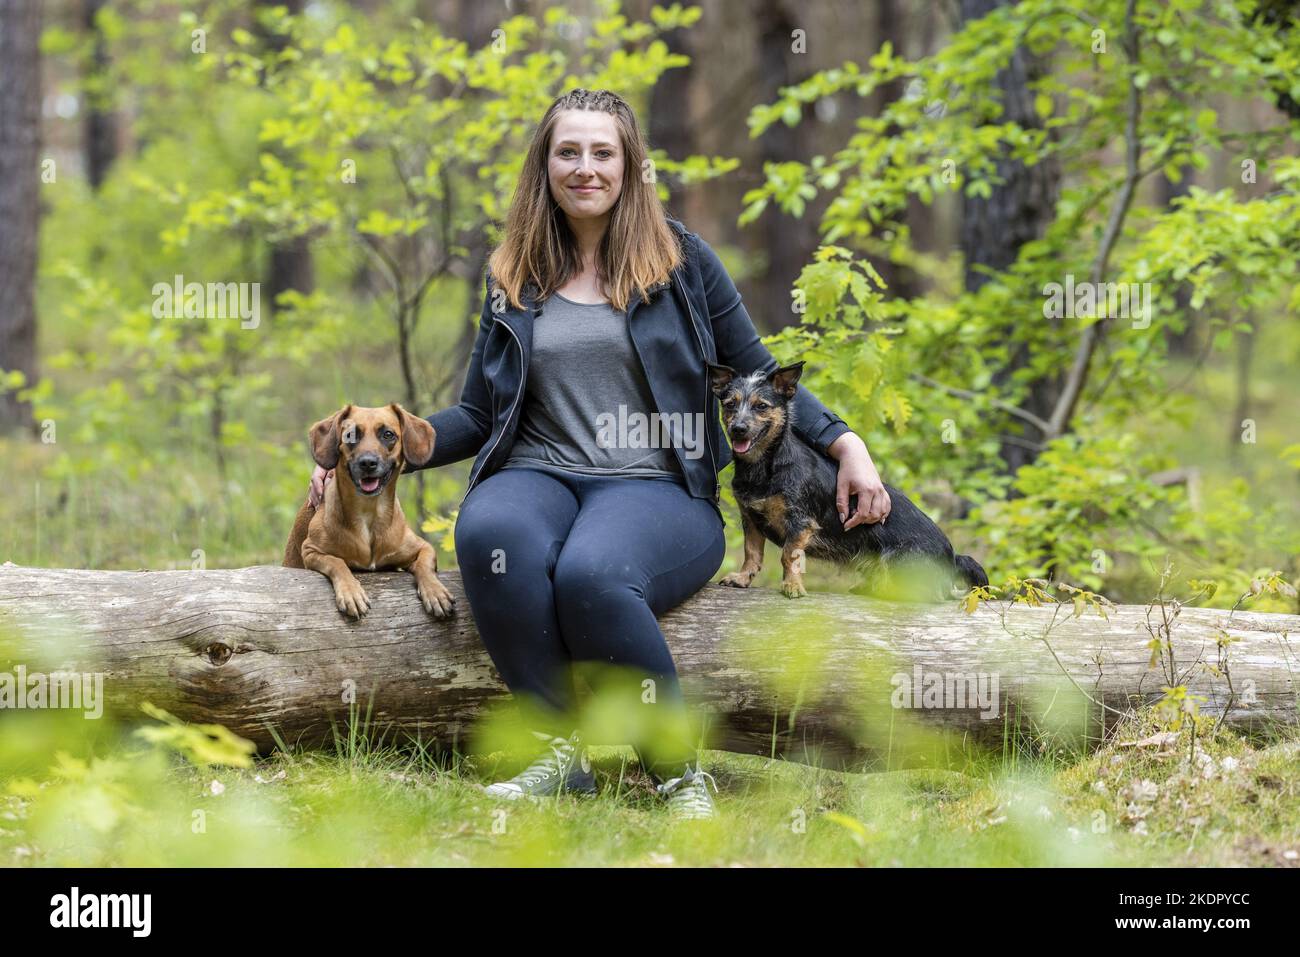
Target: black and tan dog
786,492
359,523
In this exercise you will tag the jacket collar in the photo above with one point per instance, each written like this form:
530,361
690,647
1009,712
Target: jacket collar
532,305
521,321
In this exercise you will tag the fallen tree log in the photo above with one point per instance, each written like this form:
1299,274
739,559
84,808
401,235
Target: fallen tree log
833,677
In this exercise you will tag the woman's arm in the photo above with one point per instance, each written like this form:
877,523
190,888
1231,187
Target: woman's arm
461,430
739,346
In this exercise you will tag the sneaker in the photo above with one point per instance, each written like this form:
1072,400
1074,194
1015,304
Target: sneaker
688,796
562,767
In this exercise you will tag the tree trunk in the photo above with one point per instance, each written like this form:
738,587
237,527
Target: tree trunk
100,125
20,185
291,266
1018,211
892,26
817,678
669,124
1182,344
788,241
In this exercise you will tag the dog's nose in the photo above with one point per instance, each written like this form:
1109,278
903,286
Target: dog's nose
368,463
739,431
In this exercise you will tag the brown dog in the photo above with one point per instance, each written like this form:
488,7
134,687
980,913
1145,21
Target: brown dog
359,522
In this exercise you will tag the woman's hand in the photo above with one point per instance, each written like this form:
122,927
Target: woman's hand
316,490
858,476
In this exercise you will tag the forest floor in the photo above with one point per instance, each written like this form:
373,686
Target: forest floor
1221,803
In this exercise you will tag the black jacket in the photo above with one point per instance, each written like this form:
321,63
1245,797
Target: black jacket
696,314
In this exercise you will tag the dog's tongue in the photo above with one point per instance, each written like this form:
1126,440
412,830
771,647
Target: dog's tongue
370,484
742,447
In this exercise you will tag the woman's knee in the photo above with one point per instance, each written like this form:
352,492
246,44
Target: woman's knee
492,540
589,584
483,534
593,579
579,572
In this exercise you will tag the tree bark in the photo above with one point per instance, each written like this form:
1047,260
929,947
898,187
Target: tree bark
99,130
1182,344
20,185
291,265
264,648
892,25
788,241
1019,210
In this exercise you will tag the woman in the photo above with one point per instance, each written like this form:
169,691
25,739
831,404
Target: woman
576,532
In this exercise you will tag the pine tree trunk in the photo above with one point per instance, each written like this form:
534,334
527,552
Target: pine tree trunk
20,188
1019,210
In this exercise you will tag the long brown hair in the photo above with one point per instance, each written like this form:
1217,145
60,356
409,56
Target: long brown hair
638,249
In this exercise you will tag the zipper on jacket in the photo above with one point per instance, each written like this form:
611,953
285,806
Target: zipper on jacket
473,479
677,453
717,485
699,343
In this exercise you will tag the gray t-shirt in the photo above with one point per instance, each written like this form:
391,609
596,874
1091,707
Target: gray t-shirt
587,406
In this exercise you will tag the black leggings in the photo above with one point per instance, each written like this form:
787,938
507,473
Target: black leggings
561,567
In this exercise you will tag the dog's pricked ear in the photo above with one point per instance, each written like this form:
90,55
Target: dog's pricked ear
417,436
786,379
720,378
324,438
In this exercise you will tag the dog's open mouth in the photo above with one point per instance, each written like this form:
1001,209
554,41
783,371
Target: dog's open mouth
371,484
744,445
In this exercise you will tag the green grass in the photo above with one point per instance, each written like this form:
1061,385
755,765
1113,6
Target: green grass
1123,806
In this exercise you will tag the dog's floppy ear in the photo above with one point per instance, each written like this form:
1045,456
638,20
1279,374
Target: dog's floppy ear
786,379
720,377
417,436
324,438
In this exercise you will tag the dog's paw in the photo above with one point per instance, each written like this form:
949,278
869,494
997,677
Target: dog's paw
436,599
352,599
738,579
793,589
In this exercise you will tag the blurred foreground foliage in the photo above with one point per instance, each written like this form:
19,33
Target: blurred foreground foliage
77,792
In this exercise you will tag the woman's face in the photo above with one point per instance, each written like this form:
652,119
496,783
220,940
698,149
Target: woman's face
585,163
